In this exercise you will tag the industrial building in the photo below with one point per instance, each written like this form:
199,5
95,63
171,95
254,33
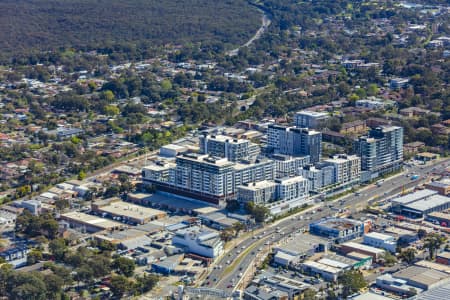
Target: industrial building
441,186
128,239
302,246
396,285
380,240
127,212
422,278
364,260
443,218
268,286
421,208
90,223
441,292
337,229
443,258
349,247
421,203
199,241
325,271
398,203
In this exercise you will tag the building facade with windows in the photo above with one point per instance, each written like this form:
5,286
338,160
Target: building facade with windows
231,148
310,119
198,241
381,151
295,141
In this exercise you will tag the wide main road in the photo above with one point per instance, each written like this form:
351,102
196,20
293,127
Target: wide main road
242,256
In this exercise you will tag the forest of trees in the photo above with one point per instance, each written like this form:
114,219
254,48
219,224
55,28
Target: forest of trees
105,25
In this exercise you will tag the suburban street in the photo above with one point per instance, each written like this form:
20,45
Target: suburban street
242,256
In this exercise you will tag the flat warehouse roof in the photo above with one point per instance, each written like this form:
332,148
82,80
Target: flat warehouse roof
321,267
414,196
429,203
364,247
91,220
134,211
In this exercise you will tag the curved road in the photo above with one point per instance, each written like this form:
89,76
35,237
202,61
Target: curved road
265,19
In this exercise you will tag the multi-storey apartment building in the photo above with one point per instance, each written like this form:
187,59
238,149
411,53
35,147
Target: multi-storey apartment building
381,151
310,119
295,141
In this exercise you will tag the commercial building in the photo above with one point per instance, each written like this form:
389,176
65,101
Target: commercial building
302,246
381,151
380,240
127,212
339,230
310,119
89,223
295,141
441,186
199,241
206,178
228,147
349,247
